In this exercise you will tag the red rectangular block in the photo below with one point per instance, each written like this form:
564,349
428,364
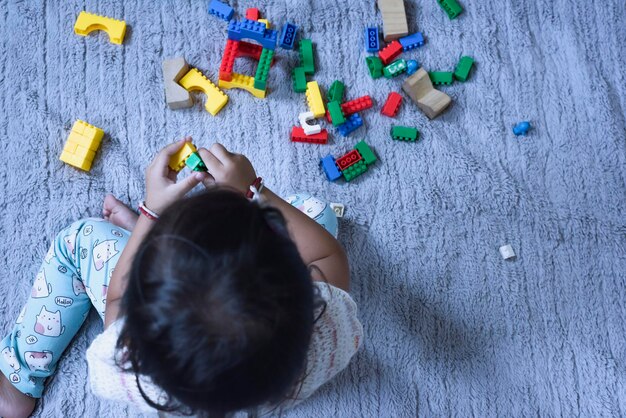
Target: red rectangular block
297,135
252,13
349,159
246,49
356,105
390,52
231,51
392,105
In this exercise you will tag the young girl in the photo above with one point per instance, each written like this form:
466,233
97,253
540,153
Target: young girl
214,303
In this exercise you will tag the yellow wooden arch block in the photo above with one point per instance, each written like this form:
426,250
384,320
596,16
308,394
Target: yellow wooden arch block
194,80
245,82
89,22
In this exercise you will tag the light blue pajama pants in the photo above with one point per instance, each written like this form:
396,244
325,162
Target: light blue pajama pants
74,276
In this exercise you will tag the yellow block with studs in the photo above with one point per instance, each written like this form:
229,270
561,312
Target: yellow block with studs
314,99
240,81
267,23
194,80
89,22
81,145
177,161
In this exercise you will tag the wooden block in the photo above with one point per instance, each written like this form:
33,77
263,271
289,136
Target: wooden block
175,95
394,19
420,89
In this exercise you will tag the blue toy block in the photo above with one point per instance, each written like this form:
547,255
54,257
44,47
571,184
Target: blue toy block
521,128
412,66
330,168
221,10
412,41
251,29
372,42
288,36
350,125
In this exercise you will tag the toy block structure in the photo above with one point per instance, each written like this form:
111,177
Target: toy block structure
441,77
244,82
352,123
350,165
299,80
335,113
175,95
252,29
356,105
178,160
372,41
195,163
221,10
335,92
390,52
403,133
288,36
81,145
463,68
394,19
392,105
265,22
412,41
451,7
89,22
194,80
228,60
374,66
298,135
314,99
395,68
305,49
420,89
304,119
246,49
252,13
263,69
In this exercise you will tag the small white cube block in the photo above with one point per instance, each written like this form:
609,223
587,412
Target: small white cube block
507,252
304,118
338,208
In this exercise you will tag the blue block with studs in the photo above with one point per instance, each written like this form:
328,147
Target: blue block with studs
251,29
221,10
288,36
412,41
372,41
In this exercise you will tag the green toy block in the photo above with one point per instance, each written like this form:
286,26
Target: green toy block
299,80
463,68
336,114
335,92
195,163
441,77
263,69
354,171
395,68
451,7
403,133
374,66
306,56
366,152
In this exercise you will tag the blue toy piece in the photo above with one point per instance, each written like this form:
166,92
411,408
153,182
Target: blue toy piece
221,10
251,29
372,41
412,66
521,128
330,168
288,36
412,41
350,125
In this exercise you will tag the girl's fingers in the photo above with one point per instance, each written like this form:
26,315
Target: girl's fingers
189,182
213,164
220,152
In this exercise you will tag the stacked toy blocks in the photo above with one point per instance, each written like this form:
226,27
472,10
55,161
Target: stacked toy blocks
89,22
350,165
81,145
187,155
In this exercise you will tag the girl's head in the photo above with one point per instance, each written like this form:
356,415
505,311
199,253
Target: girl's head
219,305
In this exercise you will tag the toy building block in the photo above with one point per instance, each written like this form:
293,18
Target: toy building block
335,92
177,161
411,67
252,13
263,69
395,68
354,171
305,49
194,80
265,22
451,7
441,77
195,163
246,49
420,89
288,36
88,22
351,158
175,95
390,52
366,152
507,253
299,80
298,135
252,29
463,68
330,168
521,128
392,105
335,113
394,19
81,145
412,41
221,10
352,123
356,105
314,99
304,119
338,208
374,66
403,133
372,43
244,82
231,52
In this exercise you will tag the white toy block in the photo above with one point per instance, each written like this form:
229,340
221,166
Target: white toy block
304,119
506,251
338,208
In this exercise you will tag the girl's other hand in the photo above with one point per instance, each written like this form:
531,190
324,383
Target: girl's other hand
227,168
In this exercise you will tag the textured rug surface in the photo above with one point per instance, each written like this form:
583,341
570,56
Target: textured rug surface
451,328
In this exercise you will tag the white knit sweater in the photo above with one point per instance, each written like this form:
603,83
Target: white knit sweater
337,336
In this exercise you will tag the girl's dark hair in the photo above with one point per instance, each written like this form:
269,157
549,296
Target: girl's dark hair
219,307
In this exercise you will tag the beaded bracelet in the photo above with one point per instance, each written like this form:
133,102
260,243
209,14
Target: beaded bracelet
147,212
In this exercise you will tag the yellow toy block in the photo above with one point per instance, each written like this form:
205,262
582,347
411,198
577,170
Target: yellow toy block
194,80
75,161
267,23
81,145
240,81
177,161
88,22
314,99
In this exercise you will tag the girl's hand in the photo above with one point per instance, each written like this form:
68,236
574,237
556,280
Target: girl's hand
226,168
161,187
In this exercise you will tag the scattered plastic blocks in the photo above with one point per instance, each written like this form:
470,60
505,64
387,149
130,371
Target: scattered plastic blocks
441,77
463,68
521,128
89,22
336,115
263,69
194,80
374,66
252,13
335,92
395,68
451,7
390,52
403,133
298,135
411,67
412,41
299,80
506,251
304,119
356,105
350,165
81,145
372,43
221,10
350,125
314,99
306,56
244,82
175,95
288,36
330,168
177,161
195,163
252,29
392,105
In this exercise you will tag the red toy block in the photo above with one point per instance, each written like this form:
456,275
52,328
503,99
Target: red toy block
228,60
252,13
392,105
297,135
356,105
390,52
349,159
